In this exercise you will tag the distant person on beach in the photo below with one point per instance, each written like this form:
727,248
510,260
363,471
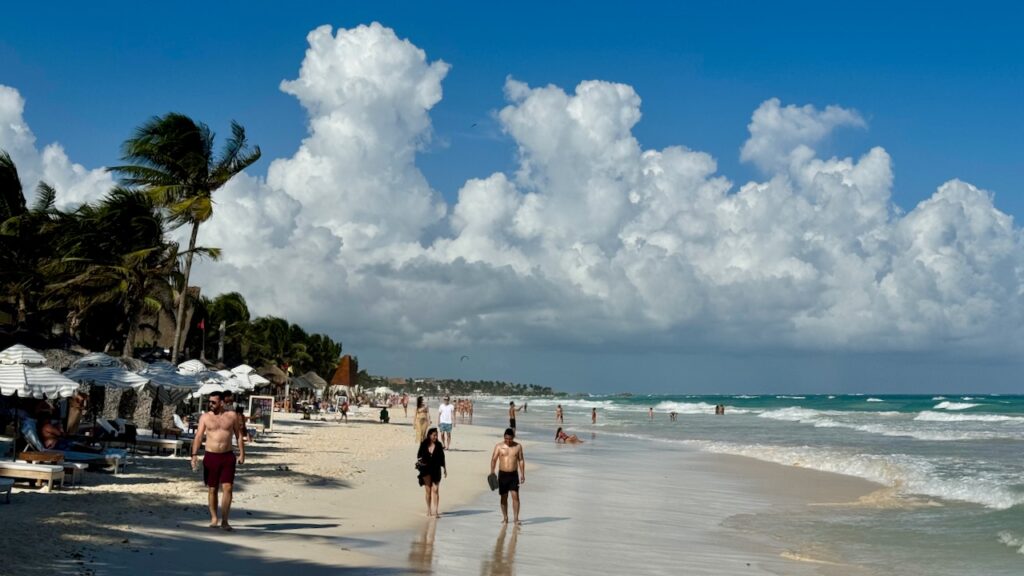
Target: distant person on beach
593,416
672,416
558,414
229,401
343,410
650,413
243,422
446,420
524,406
512,415
429,464
422,419
511,463
219,459
562,438
405,404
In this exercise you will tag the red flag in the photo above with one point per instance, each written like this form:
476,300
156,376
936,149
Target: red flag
202,325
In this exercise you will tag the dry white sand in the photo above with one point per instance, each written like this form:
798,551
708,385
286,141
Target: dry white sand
341,480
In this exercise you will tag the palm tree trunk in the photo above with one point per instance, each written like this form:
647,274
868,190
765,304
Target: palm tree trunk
179,323
129,346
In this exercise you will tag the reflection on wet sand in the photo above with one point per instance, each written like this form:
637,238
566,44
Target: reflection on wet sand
502,560
421,552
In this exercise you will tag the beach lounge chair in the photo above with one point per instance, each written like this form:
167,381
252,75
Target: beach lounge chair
47,473
72,470
109,457
5,486
158,444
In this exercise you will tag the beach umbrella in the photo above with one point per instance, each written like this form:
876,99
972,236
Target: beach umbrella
23,355
192,367
108,376
23,373
96,359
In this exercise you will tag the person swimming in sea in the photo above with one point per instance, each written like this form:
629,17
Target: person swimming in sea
562,438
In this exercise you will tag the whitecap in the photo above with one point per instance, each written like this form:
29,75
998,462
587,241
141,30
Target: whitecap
908,474
874,400
946,405
1012,541
938,398
929,416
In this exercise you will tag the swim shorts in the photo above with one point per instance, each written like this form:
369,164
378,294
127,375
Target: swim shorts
218,468
512,423
508,482
445,427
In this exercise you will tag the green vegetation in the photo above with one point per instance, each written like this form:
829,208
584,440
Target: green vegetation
436,386
99,275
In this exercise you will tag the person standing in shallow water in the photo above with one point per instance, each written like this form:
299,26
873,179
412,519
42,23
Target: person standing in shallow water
511,463
593,416
430,464
422,419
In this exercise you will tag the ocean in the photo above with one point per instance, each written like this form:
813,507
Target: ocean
952,465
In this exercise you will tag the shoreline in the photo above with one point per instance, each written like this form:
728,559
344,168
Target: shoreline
342,480
349,502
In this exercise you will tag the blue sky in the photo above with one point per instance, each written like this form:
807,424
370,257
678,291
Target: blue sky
939,88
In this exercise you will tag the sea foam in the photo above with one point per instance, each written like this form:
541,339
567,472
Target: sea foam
908,474
929,416
954,405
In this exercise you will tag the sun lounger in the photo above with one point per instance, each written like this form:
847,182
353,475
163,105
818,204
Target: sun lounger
72,470
48,473
158,444
109,457
5,486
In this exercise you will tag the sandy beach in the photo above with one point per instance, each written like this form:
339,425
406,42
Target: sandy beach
342,480
329,498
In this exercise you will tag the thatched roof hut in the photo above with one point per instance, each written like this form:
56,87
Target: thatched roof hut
273,373
314,379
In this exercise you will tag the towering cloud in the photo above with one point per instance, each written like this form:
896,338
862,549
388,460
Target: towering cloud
594,241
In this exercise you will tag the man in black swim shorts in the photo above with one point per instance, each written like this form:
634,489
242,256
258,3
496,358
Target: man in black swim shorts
511,472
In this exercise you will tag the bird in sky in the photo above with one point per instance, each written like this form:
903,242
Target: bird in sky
464,357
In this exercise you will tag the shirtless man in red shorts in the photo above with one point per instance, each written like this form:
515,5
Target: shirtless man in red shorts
219,458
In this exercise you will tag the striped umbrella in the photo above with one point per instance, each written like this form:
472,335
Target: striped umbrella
23,355
23,373
107,376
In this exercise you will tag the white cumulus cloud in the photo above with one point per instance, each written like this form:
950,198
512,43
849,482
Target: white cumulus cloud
594,241
74,183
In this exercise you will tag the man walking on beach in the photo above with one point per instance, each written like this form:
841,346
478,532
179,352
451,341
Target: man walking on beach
219,458
446,421
405,404
511,463
512,415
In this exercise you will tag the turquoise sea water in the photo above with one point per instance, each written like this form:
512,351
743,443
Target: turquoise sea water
952,462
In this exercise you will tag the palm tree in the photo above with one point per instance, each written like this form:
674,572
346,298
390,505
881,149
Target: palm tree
116,258
171,157
26,236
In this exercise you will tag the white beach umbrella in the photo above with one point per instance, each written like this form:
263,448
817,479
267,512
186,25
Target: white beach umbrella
243,369
22,355
192,367
96,359
34,382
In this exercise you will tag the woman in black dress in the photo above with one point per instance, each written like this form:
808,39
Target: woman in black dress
429,465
